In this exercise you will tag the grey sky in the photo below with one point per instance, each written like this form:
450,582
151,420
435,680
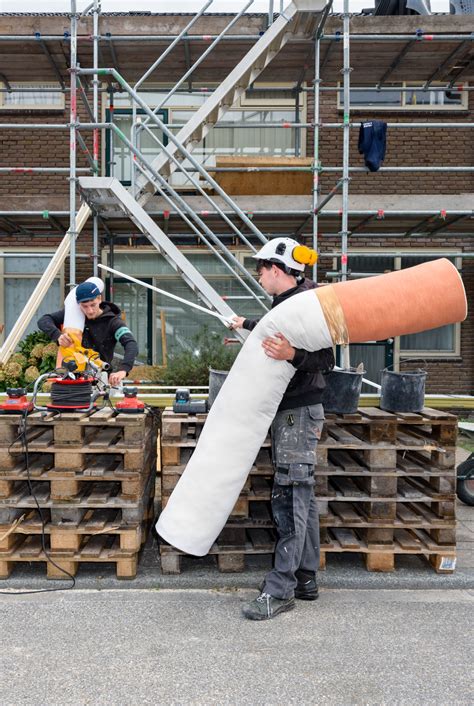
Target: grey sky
177,5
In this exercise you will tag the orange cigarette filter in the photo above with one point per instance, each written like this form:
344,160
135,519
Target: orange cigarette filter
407,301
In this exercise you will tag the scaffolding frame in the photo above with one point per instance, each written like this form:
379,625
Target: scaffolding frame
318,201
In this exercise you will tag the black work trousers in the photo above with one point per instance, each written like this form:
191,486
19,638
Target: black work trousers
295,434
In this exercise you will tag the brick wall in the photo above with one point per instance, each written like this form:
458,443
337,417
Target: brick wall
46,148
409,147
39,148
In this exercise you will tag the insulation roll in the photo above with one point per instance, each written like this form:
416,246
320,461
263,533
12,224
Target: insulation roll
408,301
236,427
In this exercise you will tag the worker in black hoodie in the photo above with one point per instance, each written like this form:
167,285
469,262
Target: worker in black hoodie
295,432
103,329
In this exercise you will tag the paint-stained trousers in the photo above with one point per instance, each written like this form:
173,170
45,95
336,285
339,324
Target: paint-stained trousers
295,434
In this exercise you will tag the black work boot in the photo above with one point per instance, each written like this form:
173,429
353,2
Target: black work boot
306,588
266,606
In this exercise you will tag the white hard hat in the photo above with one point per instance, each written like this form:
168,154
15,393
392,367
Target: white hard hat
288,252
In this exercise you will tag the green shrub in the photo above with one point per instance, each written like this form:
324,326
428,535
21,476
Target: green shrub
191,367
36,355
150,373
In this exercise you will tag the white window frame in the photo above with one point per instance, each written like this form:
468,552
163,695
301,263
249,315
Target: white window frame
23,252
397,255
17,88
406,107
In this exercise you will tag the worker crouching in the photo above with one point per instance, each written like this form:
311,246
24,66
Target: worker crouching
103,329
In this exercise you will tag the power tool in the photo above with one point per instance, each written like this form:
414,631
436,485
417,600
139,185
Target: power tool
16,402
130,404
183,404
76,385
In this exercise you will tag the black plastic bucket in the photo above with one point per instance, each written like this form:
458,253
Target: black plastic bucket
216,380
342,391
403,392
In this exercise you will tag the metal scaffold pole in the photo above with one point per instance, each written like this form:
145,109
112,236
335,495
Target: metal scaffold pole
72,147
316,162
316,205
345,157
95,107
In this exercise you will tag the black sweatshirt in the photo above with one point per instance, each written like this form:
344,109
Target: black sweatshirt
101,334
307,385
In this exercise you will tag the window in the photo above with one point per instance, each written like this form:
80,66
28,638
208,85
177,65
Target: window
264,103
419,99
161,325
118,159
413,98
19,274
437,343
32,96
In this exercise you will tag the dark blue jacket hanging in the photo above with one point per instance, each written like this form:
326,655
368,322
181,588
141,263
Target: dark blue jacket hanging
373,143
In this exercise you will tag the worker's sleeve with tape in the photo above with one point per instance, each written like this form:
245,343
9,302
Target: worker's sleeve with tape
124,336
50,323
314,361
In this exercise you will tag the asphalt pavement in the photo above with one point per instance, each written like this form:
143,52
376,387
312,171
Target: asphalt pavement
194,647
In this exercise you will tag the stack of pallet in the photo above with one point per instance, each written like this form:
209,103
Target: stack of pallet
385,485
93,476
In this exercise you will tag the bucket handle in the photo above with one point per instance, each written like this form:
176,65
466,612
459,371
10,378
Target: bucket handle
406,360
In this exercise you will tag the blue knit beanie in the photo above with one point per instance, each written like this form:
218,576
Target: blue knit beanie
86,291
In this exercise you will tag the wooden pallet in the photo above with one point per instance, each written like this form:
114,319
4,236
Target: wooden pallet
385,485
106,441
177,426
179,436
377,557
371,425
93,475
70,537
68,484
94,494
380,497
375,530
101,549
419,515
75,428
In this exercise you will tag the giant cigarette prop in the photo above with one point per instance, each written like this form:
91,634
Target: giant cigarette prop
408,301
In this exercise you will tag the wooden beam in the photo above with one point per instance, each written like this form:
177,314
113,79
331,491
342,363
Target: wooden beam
42,287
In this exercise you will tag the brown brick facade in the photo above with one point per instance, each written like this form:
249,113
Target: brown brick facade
426,147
